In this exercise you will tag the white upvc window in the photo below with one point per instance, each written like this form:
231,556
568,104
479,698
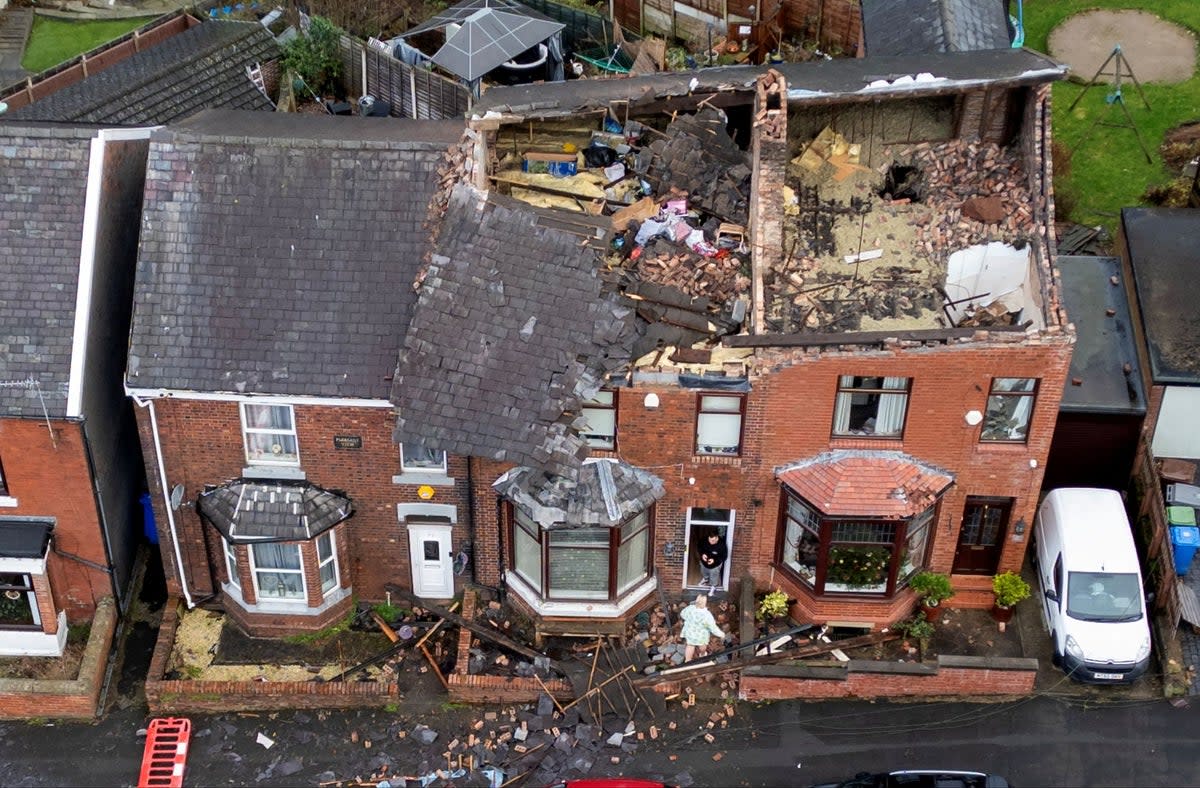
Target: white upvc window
419,459
231,565
601,415
719,423
278,572
269,432
327,562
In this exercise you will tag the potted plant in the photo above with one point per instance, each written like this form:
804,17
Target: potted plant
932,588
773,605
1009,588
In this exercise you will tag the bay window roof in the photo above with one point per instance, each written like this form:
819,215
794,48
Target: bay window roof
606,493
247,511
888,484
24,538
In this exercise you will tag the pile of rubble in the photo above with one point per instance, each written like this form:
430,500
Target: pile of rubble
977,192
722,277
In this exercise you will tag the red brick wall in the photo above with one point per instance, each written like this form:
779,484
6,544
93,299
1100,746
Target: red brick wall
202,445
70,699
52,479
944,681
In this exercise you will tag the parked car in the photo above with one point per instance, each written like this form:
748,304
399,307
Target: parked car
921,778
1091,584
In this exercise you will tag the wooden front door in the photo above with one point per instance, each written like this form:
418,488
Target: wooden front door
981,537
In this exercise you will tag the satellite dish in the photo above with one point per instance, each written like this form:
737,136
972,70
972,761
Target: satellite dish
176,497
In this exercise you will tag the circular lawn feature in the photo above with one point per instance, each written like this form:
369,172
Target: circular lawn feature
1156,50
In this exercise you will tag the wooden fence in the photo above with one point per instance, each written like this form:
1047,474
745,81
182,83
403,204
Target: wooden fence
413,92
1151,530
583,30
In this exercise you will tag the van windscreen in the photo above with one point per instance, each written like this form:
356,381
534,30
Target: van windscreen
1103,596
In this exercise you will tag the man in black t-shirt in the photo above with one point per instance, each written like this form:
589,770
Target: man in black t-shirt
712,558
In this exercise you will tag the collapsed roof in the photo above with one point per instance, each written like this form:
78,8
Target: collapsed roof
512,329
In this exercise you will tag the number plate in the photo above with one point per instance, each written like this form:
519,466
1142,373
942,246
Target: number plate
1110,676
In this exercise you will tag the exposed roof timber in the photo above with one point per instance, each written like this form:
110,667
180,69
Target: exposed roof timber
862,337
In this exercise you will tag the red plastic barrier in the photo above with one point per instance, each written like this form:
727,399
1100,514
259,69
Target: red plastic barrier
165,756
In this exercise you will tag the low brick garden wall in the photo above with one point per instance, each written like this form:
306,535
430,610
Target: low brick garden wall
75,699
949,675
181,696
469,688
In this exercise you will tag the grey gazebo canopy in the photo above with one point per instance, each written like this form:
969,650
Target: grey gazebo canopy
249,510
490,32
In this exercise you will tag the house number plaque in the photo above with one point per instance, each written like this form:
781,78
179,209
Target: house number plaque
347,441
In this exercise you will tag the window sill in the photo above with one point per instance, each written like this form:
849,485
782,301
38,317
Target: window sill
717,459
863,441
34,642
579,608
432,478
1012,447
297,608
8,502
292,472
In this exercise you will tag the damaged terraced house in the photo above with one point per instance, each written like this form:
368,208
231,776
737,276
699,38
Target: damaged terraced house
808,309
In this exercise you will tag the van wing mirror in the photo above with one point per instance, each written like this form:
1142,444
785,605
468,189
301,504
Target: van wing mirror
1052,595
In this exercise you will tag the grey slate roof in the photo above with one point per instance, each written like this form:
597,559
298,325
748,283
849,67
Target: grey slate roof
43,180
922,27
259,511
510,331
1163,246
1104,343
204,66
607,493
278,253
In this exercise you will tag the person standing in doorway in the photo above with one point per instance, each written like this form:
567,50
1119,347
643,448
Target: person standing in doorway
698,627
713,553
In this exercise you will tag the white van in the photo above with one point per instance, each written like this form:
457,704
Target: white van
1091,584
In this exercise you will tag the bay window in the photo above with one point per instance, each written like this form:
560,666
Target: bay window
278,572
327,562
584,563
852,555
18,604
869,407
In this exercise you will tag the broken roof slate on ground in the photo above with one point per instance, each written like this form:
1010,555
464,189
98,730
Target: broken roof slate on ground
912,27
278,253
202,67
511,330
43,182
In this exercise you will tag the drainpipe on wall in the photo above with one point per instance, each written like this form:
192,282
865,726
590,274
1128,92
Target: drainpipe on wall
162,483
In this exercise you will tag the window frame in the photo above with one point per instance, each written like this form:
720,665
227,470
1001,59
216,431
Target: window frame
254,570
247,430
437,469
231,563
615,540
3,481
841,390
818,583
1005,395
700,413
614,406
323,562
29,592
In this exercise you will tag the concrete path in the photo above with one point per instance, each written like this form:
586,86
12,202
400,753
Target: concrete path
15,24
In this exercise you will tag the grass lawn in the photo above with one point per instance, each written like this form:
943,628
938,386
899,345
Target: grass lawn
1109,172
55,40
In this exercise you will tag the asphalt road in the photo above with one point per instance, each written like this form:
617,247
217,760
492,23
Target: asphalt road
1043,741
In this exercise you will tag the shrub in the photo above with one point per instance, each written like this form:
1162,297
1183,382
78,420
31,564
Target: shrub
1009,589
773,605
932,587
917,627
315,56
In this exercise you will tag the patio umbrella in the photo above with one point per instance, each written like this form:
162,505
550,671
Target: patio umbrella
489,37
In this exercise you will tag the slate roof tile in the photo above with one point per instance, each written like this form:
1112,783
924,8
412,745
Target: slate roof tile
926,27
262,267
523,371
204,66
43,181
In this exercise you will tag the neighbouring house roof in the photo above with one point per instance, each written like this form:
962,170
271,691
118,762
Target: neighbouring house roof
278,254
24,538
606,493
853,483
259,511
1105,374
43,181
510,332
924,27
1163,246
202,67
816,81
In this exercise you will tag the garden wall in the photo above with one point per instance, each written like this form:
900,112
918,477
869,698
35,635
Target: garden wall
77,699
949,675
181,696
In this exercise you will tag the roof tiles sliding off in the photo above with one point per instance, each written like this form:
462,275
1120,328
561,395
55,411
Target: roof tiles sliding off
278,254
510,331
202,67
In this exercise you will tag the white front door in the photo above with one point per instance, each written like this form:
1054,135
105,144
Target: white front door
429,555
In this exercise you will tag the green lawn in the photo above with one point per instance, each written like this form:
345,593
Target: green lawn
1108,171
55,40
